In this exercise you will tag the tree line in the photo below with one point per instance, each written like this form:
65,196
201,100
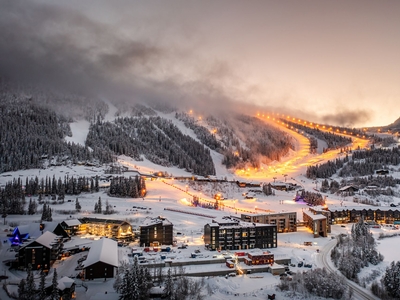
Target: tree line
134,281
33,137
326,170
127,187
12,195
243,140
157,139
333,141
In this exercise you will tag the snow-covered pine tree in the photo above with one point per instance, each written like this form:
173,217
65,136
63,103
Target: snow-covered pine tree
55,295
42,286
169,285
30,284
134,285
391,280
22,290
78,206
99,209
44,212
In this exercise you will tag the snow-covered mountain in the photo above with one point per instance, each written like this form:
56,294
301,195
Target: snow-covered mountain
41,128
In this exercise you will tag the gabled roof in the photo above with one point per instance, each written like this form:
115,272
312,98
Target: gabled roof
348,187
47,239
73,222
104,250
34,231
65,283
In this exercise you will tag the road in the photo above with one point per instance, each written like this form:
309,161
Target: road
324,260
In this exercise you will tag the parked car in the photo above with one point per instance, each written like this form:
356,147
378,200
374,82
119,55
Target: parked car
82,259
300,264
307,265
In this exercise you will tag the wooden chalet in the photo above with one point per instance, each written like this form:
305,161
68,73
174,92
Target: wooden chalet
102,259
40,253
71,226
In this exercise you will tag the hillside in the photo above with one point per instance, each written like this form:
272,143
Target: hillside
36,127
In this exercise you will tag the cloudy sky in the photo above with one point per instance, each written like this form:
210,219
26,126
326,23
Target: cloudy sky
331,61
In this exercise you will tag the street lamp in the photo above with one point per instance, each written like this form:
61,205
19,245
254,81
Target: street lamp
274,179
285,175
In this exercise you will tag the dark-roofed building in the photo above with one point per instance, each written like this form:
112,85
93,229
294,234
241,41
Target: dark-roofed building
231,234
382,172
117,229
352,214
102,259
41,252
66,288
347,190
155,232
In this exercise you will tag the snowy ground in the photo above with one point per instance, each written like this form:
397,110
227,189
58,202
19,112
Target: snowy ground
190,228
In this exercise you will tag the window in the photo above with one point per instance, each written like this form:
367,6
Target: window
33,257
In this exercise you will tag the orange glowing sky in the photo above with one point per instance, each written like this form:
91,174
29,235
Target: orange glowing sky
331,60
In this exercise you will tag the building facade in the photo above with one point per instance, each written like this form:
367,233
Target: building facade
40,253
317,222
155,232
117,229
285,221
102,259
263,258
231,234
352,214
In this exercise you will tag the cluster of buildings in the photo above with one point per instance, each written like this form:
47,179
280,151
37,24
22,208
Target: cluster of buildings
41,244
319,218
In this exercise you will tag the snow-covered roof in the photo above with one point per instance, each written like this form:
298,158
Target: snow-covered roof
73,222
47,239
276,266
34,230
65,283
347,187
231,222
361,207
152,221
104,250
314,217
